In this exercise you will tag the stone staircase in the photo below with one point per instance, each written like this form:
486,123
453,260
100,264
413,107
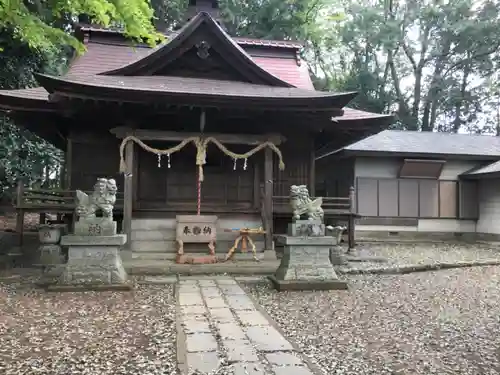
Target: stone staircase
154,239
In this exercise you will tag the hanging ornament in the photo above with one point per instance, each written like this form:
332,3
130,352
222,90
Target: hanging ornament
245,165
234,168
168,161
159,160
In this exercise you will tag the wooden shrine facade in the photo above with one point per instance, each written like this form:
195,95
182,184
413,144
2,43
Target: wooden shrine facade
200,83
167,186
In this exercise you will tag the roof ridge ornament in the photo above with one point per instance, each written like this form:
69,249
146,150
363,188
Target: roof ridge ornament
211,7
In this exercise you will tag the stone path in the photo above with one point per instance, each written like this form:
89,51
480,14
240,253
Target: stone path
220,326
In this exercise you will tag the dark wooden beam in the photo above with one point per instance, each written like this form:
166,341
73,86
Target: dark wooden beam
160,135
268,198
68,161
128,193
312,170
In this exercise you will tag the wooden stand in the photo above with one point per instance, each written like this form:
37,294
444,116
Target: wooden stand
244,238
196,229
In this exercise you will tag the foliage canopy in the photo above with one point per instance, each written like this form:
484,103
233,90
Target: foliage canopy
43,24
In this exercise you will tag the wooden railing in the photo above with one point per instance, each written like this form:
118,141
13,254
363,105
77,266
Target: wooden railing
60,202
45,200
342,207
331,205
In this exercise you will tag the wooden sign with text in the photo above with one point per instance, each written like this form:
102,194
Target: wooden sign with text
196,228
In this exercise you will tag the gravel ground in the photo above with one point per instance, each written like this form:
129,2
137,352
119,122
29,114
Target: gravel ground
404,254
444,322
88,332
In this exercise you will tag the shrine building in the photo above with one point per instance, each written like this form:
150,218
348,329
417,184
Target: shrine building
121,110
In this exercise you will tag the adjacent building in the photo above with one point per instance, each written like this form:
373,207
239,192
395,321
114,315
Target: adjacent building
418,181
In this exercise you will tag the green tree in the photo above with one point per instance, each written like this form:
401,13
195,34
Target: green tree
426,61
272,19
43,24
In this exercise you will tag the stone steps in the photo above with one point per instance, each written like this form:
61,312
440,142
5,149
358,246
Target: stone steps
161,246
153,235
154,224
153,256
168,267
146,256
157,236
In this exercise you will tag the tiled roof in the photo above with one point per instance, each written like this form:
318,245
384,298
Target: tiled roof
103,55
227,47
413,142
490,168
268,43
356,114
240,40
287,70
36,93
184,85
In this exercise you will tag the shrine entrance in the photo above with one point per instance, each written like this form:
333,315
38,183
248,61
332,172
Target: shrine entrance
198,174
170,182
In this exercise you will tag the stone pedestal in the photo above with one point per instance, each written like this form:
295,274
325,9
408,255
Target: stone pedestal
98,226
50,255
337,257
94,260
306,264
309,228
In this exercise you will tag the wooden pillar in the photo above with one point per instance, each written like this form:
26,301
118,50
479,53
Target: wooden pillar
256,186
268,198
312,172
20,210
128,192
68,160
351,224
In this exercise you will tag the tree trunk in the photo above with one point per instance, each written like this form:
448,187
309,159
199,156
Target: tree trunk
457,122
430,104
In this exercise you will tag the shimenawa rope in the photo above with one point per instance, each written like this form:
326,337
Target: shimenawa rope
201,145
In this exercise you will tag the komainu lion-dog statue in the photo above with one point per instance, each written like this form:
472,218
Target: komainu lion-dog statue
103,198
302,204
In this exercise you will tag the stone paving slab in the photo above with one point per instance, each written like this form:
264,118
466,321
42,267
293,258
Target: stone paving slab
221,324
222,315
295,370
240,351
193,310
215,302
268,339
248,369
204,363
230,331
200,342
252,318
193,326
211,292
190,299
283,359
159,280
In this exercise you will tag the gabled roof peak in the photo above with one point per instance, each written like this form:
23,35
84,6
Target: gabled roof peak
207,37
